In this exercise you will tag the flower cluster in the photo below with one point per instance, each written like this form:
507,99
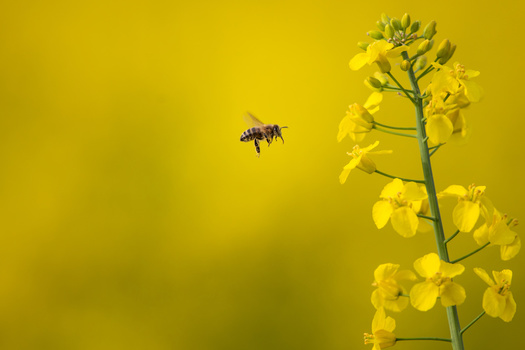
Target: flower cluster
413,206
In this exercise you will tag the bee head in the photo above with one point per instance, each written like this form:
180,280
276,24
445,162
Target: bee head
278,133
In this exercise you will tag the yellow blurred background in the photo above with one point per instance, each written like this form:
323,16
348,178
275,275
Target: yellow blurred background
133,218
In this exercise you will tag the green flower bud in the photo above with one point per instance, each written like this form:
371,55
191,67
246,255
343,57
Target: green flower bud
363,45
445,59
430,30
443,48
421,63
376,34
405,65
389,31
431,45
381,77
373,84
396,23
415,26
405,21
384,18
423,47
380,25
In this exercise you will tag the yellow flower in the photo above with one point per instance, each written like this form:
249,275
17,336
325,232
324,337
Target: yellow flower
400,203
445,121
438,274
451,80
497,299
358,120
378,52
361,161
382,328
498,232
471,203
388,292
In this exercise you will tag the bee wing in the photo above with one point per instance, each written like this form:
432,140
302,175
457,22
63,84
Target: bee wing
252,120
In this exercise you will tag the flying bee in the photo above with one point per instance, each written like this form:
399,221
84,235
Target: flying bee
260,132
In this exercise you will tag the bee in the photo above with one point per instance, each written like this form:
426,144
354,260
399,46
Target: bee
260,132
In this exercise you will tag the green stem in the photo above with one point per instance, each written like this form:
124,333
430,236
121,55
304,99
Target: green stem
400,178
425,338
393,127
473,321
402,88
425,72
434,151
452,313
451,237
471,253
426,217
393,132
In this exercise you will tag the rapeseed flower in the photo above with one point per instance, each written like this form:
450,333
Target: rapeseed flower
497,299
498,232
382,328
378,52
361,161
389,292
359,120
438,283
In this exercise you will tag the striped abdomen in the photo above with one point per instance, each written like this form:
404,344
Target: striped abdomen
252,133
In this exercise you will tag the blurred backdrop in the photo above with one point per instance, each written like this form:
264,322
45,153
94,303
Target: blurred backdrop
132,217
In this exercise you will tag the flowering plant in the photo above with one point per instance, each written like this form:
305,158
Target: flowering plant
412,205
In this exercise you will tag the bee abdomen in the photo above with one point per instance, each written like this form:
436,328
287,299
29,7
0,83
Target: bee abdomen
250,134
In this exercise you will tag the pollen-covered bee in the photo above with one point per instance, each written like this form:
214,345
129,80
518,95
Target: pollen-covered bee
260,131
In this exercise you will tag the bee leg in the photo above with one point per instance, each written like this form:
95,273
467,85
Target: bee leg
269,140
257,148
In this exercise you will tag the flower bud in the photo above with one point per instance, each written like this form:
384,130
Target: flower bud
376,34
445,59
421,62
430,30
423,47
415,26
381,77
396,23
373,84
380,25
389,31
363,45
384,18
443,48
405,21
431,45
405,65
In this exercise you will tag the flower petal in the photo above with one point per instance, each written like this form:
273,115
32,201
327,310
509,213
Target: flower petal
423,295
381,212
428,265
358,61
373,100
385,271
404,221
465,215
510,250
451,270
510,309
439,128
452,294
392,189
484,275
493,303
454,191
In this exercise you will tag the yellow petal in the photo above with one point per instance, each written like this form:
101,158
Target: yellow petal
451,270
501,234
423,295
510,309
484,275
452,294
493,303
366,164
404,221
381,212
481,235
373,100
376,299
412,192
344,175
344,128
472,90
405,275
428,265
396,52
396,305
371,147
439,128
504,276
358,61
392,189
454,191
466,215
510,250
385,271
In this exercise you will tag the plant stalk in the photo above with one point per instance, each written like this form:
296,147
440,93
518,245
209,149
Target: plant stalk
452,314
